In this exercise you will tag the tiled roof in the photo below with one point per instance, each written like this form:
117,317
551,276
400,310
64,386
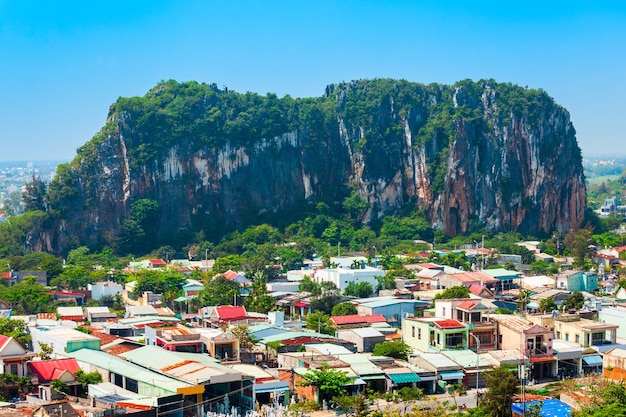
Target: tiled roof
231,313
449,324
357,319
230,274
157,262
105,338
467,305
52,369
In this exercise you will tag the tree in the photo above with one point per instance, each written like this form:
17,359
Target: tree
394,349
310,286
73,277
547,305
46,351
16,329
246,341
575,301
353,405
387,282
523,299
329,382
580,244
258,300
218,292
360,290
319,322
34,195
459,291
60,386
343,309
86,378
501,386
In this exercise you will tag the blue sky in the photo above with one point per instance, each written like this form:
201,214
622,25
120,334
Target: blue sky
63,63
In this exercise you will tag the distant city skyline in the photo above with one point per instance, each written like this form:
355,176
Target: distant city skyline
66,62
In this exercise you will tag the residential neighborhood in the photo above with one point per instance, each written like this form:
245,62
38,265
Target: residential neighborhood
152,359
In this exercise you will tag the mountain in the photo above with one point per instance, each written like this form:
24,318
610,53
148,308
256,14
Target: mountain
471,155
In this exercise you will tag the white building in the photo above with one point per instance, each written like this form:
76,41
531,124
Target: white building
341,277
104,289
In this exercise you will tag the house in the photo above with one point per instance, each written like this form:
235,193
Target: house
71,313
219,344
534,341
13,357
352,321
606,261
392,308
179,339
471,312
569,358
156,263
537,281
62,339
103,289
364,338
448,371
474,366
468,279
507,279
342,277
99,314
140,311
192,287
236,277
614,315
77,297
15,277
5,310
577,281
584,332
46,371
432,334
57,409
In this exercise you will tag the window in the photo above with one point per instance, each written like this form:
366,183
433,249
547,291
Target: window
419,334
443,311
577,338
558,335
412,331
14,368
566,337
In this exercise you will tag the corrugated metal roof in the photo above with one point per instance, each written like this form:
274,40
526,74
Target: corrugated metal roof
119,366
361,364
466,358
292,335
439,361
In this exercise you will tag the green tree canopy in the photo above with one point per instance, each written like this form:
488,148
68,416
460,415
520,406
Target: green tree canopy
343,309
34,195
393,348
16,329
218,292
360,290
319,322
459,291
502,384
329,382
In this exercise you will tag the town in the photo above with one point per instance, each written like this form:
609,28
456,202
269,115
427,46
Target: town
434,335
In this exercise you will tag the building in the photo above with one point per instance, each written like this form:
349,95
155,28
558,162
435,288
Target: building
507,279
390,307
577,281
431,334
533,340
103,289
584,332
364,338
353,321
473,313
342,277
179,339
13,357
63,340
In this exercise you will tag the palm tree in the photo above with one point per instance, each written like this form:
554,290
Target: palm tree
522,300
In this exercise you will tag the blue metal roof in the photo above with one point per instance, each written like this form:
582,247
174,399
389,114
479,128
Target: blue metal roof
550,408
593,360
446,376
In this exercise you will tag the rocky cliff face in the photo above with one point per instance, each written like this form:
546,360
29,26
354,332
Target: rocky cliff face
471,155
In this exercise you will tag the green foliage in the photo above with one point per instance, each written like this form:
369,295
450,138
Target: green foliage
27,297
459,291
34,195
319,322
224,263
394,349
60,386
547,305
502,384
330,382
579,243
360,290
343,309
353,405
542,267
388,281
246,341
607,400
218,292
503,310
16,329
45,351
86,378
72,278
258,300
308,285
575,301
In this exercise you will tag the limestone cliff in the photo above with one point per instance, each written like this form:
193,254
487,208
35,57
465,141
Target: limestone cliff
472,155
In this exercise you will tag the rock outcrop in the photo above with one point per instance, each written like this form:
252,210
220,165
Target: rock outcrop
472,155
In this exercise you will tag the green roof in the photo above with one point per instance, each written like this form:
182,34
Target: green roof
119,366
404,378
501,273
292,335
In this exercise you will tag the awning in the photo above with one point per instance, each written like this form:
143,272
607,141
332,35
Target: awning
542,359
447,376
592,360
404,378
278,386
301,304
371,377
427,378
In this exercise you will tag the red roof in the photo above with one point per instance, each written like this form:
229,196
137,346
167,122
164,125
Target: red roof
231,313
157,262
6,275
301,304
467,305
358,319
429,265
449,324
230,274
53,369
3,340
